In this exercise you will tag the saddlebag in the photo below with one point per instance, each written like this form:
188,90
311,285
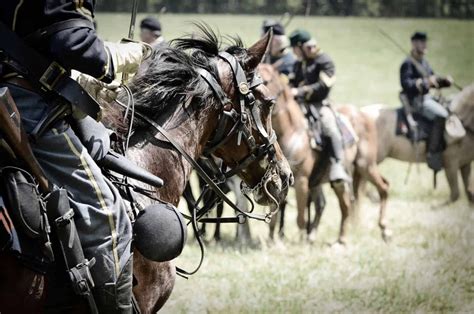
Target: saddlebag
25,226
27,210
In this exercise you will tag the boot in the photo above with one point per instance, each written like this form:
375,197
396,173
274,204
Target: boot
436,145
117,297
337,172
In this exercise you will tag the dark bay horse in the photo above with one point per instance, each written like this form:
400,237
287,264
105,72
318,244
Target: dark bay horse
290,124
193,123
173,94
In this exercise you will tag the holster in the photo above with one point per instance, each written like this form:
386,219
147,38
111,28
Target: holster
77,266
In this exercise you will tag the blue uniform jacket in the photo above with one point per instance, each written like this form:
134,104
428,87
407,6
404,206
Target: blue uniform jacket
76,48
413,81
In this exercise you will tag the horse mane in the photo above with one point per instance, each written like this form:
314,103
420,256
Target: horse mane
463,105
172,76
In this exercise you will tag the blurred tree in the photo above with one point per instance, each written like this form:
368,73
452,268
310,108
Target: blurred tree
389,8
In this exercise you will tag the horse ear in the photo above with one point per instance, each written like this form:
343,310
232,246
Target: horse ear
258,50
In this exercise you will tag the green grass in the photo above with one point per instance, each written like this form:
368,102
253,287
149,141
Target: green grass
429,265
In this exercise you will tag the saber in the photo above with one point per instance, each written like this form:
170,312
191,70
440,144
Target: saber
131,32
133,19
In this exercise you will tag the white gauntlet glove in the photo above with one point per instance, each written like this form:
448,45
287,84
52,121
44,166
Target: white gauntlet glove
127,56
99,90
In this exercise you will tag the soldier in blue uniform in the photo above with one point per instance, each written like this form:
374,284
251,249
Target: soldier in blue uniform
280,55
314,76
99,211
417,78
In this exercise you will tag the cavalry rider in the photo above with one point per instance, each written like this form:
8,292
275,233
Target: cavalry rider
314,75
100,213
150,32
280,55
417,78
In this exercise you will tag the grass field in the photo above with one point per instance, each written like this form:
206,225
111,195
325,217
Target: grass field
428,266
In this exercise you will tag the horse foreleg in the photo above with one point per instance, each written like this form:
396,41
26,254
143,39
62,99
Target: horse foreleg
468,184
382,186
344,197
452,176
219,212
155,282
319,200
301,189
281,229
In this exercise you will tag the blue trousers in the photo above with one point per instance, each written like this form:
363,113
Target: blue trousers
100,214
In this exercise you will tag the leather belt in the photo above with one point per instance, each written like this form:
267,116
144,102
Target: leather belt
21,82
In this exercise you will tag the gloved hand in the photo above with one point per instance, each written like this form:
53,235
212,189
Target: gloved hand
127,56
444,81
99,90
433,81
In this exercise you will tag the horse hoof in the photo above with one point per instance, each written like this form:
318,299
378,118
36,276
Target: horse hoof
312,237
387,235
338,246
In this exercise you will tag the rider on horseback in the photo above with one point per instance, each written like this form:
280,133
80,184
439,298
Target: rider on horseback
63,32
314,75
279,55
417,78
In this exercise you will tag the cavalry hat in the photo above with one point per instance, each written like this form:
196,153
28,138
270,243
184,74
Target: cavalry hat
299,37
278,28
419,36
151,23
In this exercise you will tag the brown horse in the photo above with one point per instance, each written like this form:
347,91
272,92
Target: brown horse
291,126
173,94
457,156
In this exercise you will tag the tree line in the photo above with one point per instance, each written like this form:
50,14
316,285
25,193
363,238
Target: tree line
375,8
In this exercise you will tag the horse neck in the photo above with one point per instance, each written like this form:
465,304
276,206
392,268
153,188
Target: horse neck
290,125
158,157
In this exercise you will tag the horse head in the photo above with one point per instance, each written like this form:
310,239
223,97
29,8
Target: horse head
220,90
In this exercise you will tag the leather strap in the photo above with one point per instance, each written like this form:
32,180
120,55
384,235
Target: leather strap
48,76
47,31
197,167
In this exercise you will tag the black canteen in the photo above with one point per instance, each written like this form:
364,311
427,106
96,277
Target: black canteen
160,232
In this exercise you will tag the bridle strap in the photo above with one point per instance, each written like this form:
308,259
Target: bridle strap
197,167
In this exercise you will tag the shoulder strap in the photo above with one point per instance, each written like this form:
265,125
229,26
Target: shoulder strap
419,66
48,76
47,31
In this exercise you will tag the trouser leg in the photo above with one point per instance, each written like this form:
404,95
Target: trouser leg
99,212
435,112
331,130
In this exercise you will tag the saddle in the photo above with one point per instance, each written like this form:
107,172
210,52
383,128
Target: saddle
313,117
415,132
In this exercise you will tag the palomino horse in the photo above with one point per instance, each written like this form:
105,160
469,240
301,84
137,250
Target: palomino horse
173,94
290,125
457,156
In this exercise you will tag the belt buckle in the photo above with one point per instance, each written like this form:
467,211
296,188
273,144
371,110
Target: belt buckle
52,75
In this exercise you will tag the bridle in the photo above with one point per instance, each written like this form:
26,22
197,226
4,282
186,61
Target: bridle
241,122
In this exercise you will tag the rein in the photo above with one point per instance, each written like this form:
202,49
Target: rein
257,152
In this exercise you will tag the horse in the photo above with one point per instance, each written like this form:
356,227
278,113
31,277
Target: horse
292,130
174,94
457,155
